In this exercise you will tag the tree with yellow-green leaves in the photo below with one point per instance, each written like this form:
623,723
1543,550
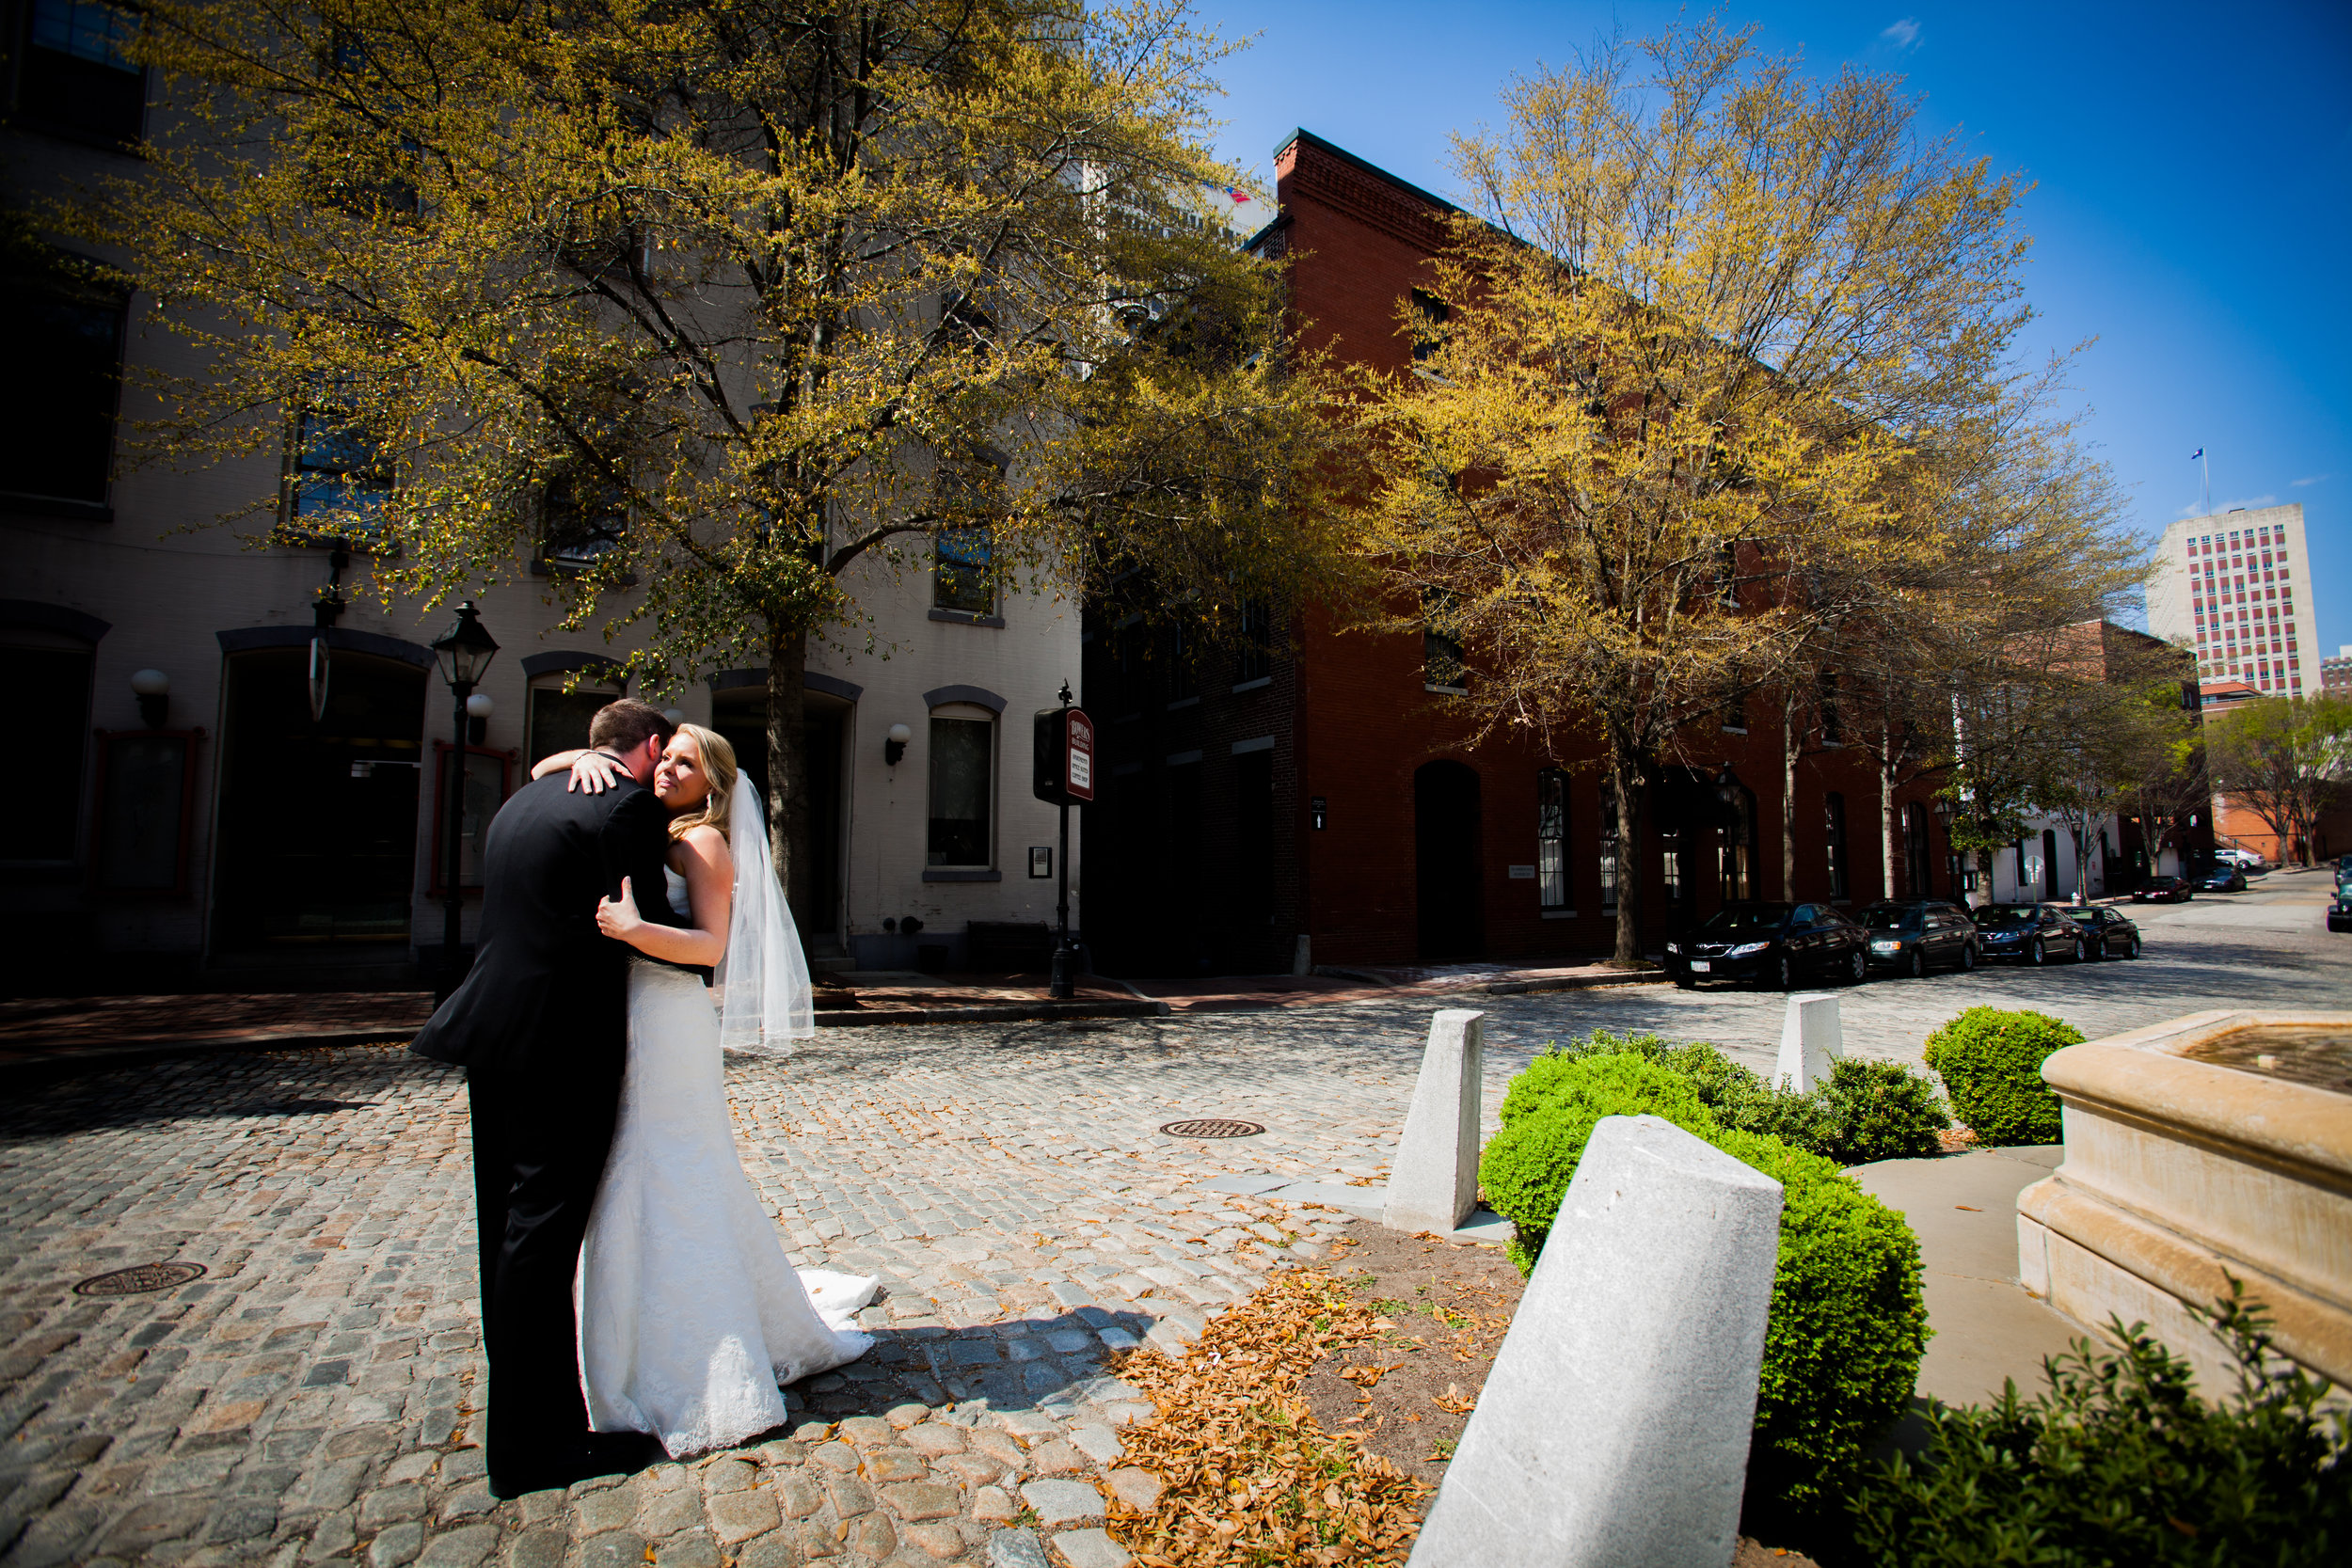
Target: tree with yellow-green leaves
725,305
1704,327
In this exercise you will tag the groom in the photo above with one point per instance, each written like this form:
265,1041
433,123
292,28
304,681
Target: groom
540,1027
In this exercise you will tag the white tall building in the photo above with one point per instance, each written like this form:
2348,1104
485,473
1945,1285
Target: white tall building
2236,586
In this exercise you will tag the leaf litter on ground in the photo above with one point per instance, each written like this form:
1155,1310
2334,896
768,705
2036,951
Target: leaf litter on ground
1247,1475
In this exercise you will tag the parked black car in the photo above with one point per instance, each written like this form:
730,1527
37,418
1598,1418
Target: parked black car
1914,937
1773,945
2224,877
2113,934
2029,933
2162,890
2340,912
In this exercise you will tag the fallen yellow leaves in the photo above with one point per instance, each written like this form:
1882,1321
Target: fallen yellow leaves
1247,1476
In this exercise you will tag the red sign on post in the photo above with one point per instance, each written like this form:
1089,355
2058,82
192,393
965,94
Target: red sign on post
1078,736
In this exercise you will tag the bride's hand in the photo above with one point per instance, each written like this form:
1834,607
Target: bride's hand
617,918
592,772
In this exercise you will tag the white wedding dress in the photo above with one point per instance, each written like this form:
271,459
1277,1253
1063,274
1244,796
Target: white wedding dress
691,1316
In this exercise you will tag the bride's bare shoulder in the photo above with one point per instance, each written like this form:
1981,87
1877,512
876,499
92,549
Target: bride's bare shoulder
707,842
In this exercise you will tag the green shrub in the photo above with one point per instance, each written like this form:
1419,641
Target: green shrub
1875,1110
1548,1114
2120,1463
1848,1324
1865,1111
1991,1064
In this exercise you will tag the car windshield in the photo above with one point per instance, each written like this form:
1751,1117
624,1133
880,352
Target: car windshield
1888,917
1747,920
2005,914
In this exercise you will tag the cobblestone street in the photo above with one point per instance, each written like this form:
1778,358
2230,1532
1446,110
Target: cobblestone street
311,1397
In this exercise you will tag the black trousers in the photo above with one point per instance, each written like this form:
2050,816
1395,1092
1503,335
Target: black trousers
538,1153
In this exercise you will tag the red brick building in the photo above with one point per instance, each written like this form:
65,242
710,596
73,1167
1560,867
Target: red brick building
1318,801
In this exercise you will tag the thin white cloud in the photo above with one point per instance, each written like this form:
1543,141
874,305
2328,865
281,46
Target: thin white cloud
2247,503
1903,33
2314,480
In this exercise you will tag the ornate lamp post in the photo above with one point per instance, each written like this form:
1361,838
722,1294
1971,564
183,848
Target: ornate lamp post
465,652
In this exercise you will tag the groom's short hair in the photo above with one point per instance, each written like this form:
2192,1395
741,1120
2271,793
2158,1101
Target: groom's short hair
623,726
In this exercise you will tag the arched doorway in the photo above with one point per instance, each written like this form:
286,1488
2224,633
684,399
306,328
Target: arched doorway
1447,884
318,817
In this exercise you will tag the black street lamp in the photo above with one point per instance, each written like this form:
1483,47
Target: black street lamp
464,651
1945,811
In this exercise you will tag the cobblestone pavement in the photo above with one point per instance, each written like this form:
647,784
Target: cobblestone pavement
310,1398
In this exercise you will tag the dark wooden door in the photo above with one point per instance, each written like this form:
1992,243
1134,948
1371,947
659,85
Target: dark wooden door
1448,885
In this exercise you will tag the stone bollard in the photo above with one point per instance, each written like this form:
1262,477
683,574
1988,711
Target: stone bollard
1811,1039
1614,1424
1434,1184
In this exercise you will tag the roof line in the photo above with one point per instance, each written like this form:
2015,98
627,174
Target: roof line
1344,155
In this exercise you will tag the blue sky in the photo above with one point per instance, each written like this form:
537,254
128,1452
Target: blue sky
2192,208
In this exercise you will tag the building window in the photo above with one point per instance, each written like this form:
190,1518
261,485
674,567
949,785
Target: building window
1608,845
1740,846
1129,680
339,485
76,74
583,519
1916,869
1432,314
1551,838
964,757
557,720
1442,667
50,680
965,578
1256,661
59,438
1834,810
1180,647
1832,723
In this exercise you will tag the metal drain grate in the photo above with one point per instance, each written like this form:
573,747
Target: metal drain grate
139,1280
1212,1127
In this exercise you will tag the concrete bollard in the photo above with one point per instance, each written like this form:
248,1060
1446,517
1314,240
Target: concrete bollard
1434,1184
1811,1039
1613,1427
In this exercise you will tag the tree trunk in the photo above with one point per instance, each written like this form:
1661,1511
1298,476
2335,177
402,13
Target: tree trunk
1626,779
787,770
1887,815
1789,796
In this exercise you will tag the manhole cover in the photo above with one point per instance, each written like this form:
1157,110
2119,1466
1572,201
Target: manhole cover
136,1281
1211,1126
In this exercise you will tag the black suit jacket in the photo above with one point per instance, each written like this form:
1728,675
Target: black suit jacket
549,991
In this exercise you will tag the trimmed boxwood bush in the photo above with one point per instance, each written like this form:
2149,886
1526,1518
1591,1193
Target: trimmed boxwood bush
1548,1114
1991,1064
1877,1111
2120,1463
1848,1325
1864,1111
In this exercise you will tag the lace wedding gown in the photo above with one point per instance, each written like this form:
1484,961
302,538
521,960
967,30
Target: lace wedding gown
690,1313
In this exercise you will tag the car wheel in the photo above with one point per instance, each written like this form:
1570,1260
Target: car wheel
2036,954
1967,957
2079,954
2131,949
1857,968
1787,974
1918,963
1683,982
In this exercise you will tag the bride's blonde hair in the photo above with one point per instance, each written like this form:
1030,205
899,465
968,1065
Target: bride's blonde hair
719,768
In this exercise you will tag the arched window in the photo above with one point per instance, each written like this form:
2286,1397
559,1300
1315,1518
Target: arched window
1551,839
962,814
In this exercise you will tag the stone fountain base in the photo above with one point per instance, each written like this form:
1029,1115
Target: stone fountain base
2177,1169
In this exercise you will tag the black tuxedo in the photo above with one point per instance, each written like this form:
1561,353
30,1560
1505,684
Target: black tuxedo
541,1026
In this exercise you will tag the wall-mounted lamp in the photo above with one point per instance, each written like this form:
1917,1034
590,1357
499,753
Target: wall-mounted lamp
895,744
154,690
478,710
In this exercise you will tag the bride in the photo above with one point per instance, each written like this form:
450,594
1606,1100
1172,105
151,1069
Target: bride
689,1314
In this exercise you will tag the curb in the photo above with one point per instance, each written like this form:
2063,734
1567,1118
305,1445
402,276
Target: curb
1508,988
1008,1012
34,1070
